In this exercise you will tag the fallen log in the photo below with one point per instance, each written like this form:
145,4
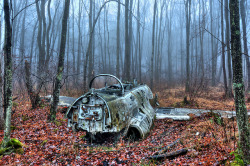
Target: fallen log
169,155
164,149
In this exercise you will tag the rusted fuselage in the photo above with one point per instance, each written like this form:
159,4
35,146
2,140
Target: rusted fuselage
119,108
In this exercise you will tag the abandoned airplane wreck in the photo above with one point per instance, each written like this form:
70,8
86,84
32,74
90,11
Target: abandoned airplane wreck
119,109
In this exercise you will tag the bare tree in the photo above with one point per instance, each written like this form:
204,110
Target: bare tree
223,52
1,98
60,68
243,21
201,27
1,84
48,42
127,44
170,66
160,43
181,44
130,32
90,70
118,40
78,70
22,41
41,39
153,47
188,18
7,74
214,59
238,84
229,64
34,96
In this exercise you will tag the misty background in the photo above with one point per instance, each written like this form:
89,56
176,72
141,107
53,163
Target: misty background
149,44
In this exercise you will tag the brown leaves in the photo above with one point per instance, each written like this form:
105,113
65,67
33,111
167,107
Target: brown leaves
55,144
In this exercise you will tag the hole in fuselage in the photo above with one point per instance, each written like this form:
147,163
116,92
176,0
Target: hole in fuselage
140,110
133,134
142,105
117,116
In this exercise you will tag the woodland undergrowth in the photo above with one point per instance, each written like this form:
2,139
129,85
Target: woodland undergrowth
209,139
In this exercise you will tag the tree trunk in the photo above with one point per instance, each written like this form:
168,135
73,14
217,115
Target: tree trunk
39,39
54,31
141,45
107,43
101,59
32,43
137,47
34,97
93,43
182,51
153,46
73,43
118,40
42,53
169,50
14,25
43,33
212,45
68,48
130,40
201,26
7,74
229,91
79,45
196,51
22,41
1,98
238,84
223,52
104,43
1,84
157,49
188,17
243,21
127,44
90,70
48,38
56,91
156,44
89,47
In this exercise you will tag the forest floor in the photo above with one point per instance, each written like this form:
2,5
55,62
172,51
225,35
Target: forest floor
209,139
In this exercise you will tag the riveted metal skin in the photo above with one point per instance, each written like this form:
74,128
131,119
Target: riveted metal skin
119,108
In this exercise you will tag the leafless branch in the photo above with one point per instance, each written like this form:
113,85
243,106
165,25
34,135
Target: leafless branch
214,36
24,9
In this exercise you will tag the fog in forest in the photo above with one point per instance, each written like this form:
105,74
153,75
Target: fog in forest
158,42
124,82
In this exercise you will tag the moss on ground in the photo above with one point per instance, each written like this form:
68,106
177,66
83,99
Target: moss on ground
14,145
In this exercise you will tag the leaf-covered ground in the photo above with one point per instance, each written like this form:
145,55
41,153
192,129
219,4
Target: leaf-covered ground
209,139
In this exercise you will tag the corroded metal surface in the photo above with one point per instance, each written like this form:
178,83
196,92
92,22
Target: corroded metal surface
183,113
120,108
64,101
